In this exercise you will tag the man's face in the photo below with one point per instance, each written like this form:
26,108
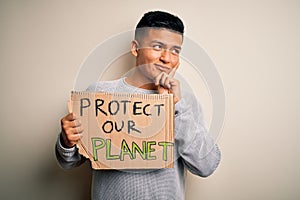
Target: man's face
157,51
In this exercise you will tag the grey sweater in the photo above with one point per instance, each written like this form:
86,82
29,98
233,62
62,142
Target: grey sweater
194,150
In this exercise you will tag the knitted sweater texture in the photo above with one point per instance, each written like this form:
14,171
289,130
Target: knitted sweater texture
195,150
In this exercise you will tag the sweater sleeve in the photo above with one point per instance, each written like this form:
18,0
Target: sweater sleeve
195,146
67,158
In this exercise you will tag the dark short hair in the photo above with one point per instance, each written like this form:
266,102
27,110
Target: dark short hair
160,19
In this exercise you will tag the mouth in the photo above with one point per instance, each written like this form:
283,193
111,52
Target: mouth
162,68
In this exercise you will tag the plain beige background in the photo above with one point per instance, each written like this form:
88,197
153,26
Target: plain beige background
254,44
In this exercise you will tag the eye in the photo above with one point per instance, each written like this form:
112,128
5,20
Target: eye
157,47
175,51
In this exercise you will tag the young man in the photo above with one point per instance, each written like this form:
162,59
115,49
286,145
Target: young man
157,45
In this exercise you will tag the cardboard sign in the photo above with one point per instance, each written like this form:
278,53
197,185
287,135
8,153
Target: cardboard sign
126,131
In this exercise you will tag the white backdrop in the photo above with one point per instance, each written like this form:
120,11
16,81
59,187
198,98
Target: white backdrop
254,44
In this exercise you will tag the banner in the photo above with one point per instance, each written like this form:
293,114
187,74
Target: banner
126,131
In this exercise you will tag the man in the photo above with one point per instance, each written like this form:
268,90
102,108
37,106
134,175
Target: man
157,45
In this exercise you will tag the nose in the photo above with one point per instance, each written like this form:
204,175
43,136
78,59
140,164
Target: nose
165,56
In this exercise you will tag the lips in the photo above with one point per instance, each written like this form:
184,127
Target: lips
162,68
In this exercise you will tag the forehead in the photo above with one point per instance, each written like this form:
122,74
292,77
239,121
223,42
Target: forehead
162,35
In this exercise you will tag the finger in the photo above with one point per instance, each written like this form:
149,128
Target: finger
70,117
173,71
162,90
173,82
79,130
75,123
167,83
163,79
71,133
157,79
175,99
74,138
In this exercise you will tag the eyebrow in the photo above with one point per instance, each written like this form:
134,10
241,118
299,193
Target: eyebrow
159,42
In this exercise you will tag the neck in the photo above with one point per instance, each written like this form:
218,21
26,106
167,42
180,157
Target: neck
139,81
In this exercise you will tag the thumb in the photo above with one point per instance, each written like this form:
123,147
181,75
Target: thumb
162,90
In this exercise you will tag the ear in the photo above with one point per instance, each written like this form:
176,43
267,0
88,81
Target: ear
134,48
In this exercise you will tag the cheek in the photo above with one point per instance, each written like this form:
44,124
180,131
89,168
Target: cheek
175,61
151,56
